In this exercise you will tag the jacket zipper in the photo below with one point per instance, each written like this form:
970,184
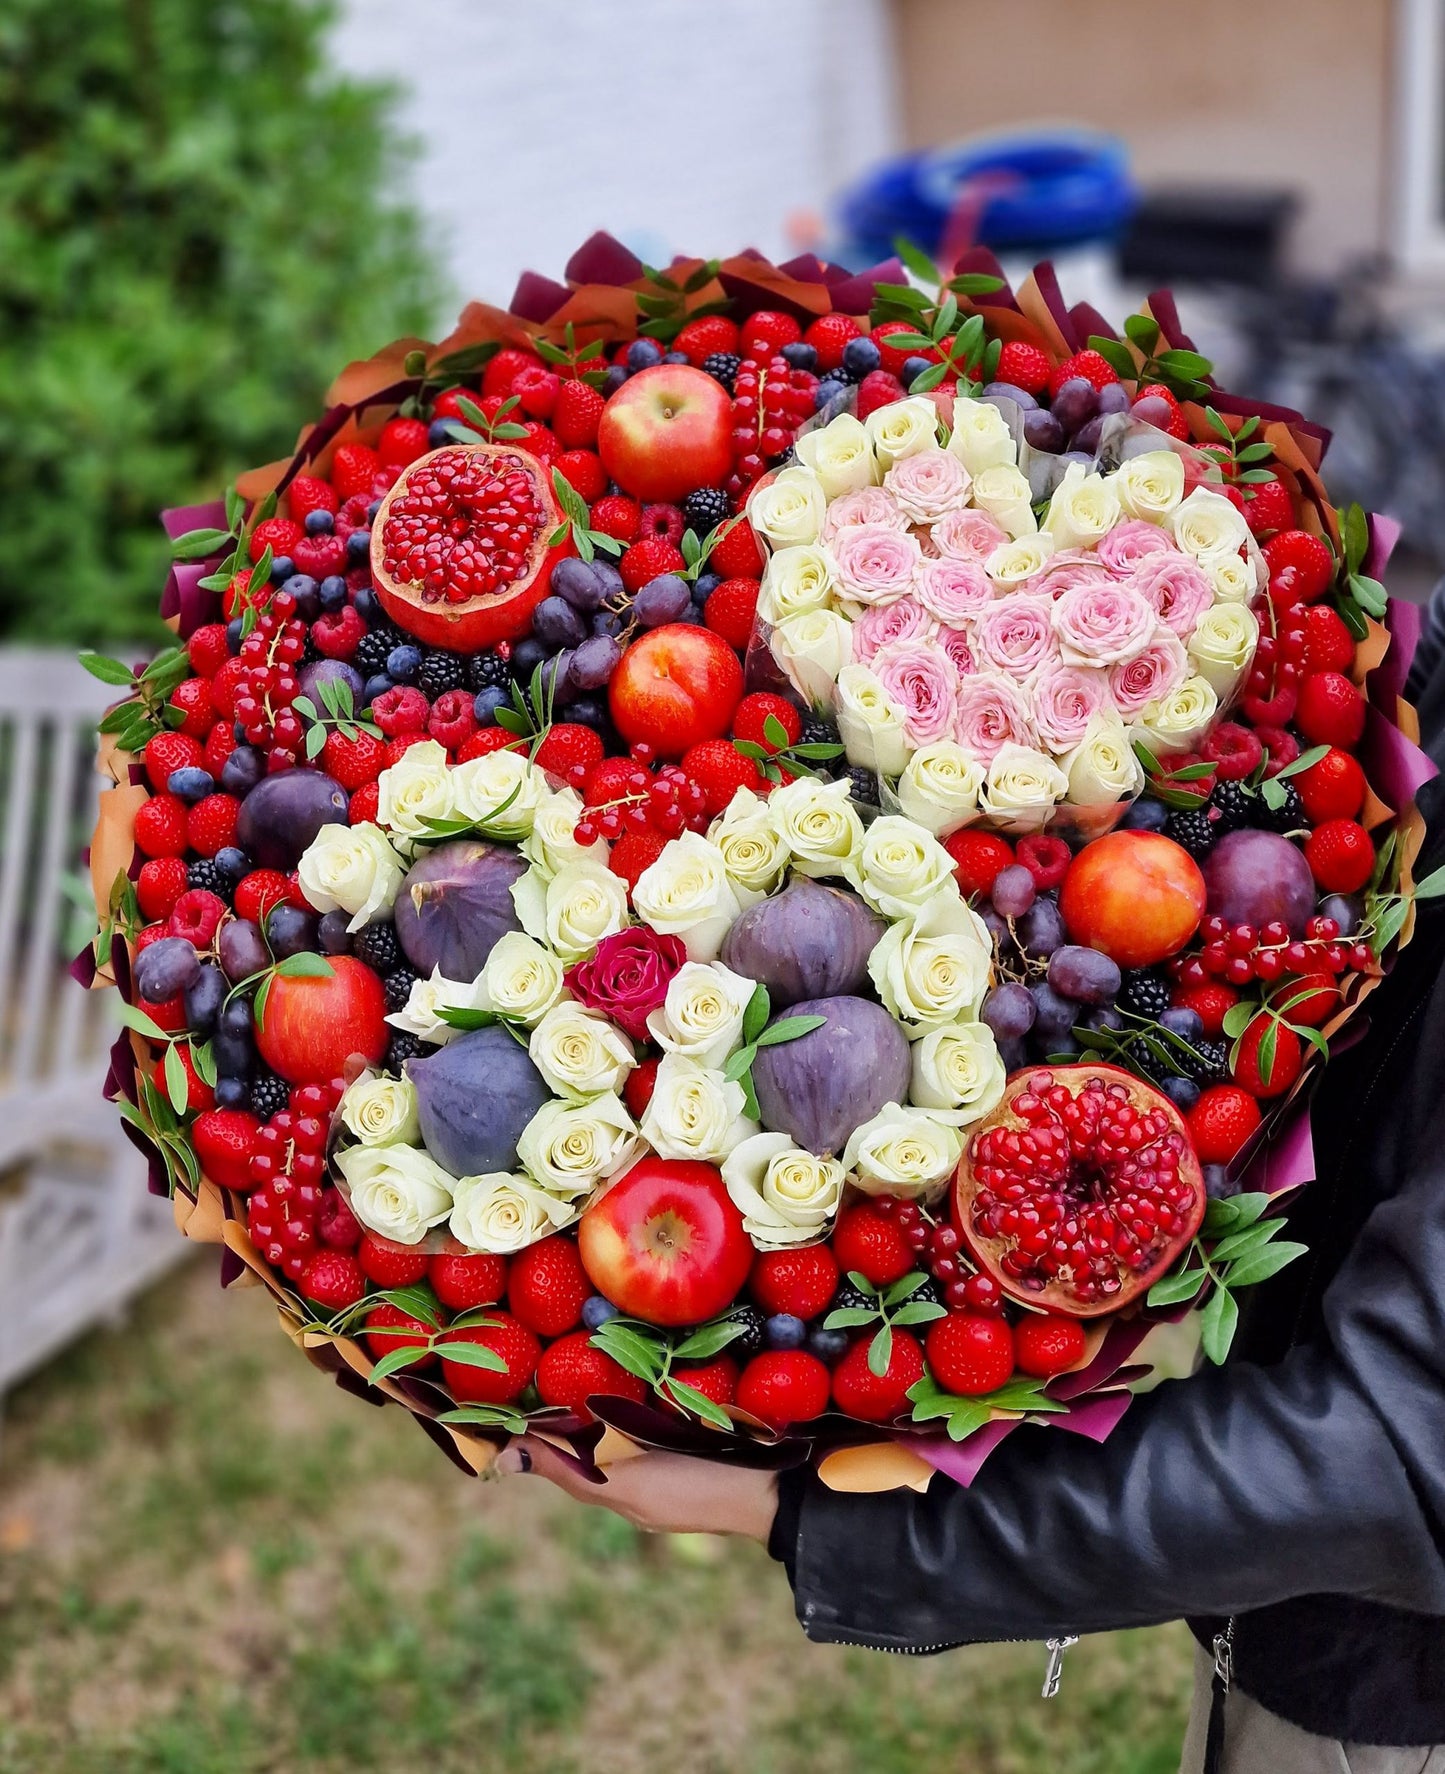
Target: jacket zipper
1223,1676
1053,1669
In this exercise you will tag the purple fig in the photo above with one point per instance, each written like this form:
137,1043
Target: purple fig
454,905
821,1086
809,941
283,813
1254,877
474,1098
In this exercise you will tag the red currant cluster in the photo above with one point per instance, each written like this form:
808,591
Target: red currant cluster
268,684
627,795
939,1246
1238,953
287,1168
770,402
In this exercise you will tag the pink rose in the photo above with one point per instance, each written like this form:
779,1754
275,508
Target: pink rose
1061,572
1174,586
953,589
1066,698
882,624
1016,635
992,712
865,505
1130,542
1102,624
920,678
927,486
967,536
627,976
956,644
1150,675
876,565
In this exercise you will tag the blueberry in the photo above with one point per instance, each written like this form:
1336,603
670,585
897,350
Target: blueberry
372,510
1146,816
613,380
642,354
242,770
232,862
828,390
235,1052
282,567
191,784
403,663
331,593
674,357
332,934
860,358
368,604
785,1331
596,1311
375,686
912,367
799,356
705,585
527,655
234,635
487,702
1218,1184
1188,1025
587,711
439,433
358,547
829,1346
319,523
232,1093
306,591
1182,1092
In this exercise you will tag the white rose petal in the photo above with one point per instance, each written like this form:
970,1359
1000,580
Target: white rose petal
416,790
687,893
981,437
550,846
1083,509
521,980
786,1195
1021,788
695,1112
351,868
1011,563
957,1073
840,453
421,1015
381,1111
500,790
1150,486
934,968
901,867
1222,647
1235,579
940,787
870,723
570,1147
573,911
1207,523
752,848
702,1015
1177,721
1102,769
902,1151
580,1053
812,649
398,1192
499,1213
1003,492
820,825
902,428
796,581
789,508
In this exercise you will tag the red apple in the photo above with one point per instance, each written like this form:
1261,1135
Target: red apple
1136,896
310,1027
666,431
676,686
665,1243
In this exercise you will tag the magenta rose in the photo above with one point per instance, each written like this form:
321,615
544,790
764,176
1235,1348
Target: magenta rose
1174,586
875,564
927,486
865,505
882,624
920,678
1061,572
969,535
627,975
953,590
1066,698
1150,675
1102,624
959,648
992,711
1130,542
1016,635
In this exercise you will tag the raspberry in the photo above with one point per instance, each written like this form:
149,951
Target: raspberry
1024,366
338,634
1234,750
872,1244
878,389
402,709
1341,855
1333,788
730,610
878,1398
308,493
336,1224
1329,645
259,891
1221,1121
828,335
352,762
402,441
576,416
207,649
536,390
720,770
193,698
354,469
1046,858
970,1353
618,516
453,719
663,520
569,749
800,1281
635,852
547,1286
167,751
1330,711
1280,748
503,370
1268,507
225,1140
783,1386
1308,561
388,1328
504,1336
364,805
584,473
320,556
1044,1347
1178,425
333,1279
159,885
160,826
766,332
465,1281
891,358
735,554
211,824
700,338
1284,1062
571,1371
637,1091
1088,364
647,559
278,534
977,859
196,916
750,720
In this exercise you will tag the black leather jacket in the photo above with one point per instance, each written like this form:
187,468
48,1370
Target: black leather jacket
1301,1489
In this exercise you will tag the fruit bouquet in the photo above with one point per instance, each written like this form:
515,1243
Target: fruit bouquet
758,859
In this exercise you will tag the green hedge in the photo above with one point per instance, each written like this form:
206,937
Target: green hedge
197,229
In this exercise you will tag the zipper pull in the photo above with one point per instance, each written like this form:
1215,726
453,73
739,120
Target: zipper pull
1219,1693
1054,1670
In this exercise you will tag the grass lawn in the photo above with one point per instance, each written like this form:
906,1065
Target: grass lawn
213,1562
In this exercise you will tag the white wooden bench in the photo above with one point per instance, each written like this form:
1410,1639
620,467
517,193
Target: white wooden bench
78,1232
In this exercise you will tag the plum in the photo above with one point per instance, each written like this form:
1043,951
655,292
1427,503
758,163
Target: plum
283,813
809,941
327,671
474,1098
1254,877
454,905
818,1088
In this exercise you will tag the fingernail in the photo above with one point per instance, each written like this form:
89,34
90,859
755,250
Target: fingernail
513,1460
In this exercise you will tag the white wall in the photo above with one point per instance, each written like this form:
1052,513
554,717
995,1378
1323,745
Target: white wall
679,125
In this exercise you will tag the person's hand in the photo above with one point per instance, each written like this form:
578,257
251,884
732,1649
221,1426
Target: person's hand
661,1493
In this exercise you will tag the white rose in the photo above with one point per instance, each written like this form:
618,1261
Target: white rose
1206,523
521,980
903,1152
1021,788
840,453
398,1192
1222,646
785,1195
957,1072
753,851
417,789
550,846
579,1052
902,428
789,508
695,1112
499,1213
351,868
940,786
934,968
381,1111
981,437
820,825
870,723
796,581
1013,562
421,1015
1150,486
570,1147
1102,768
1235,579
573,911
812,649
1177,721
1004,494
702,1015
687,893
1083,509
501,790
901,866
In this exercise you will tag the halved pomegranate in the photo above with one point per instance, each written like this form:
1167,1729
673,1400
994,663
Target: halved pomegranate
459,551
1080,1189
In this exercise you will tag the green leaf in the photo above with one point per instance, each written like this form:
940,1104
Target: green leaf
1188,364
846,1317
490,1416
1248,1238
918,1312
1355,535
698,1402
1237,1211
637,1354
1352,616
109,671
1174,1290
1118,356
708,1340
917,261
789,1029
475,1355
396,1359
755,1017
775,733
1432,886
458,1016
1218,1325
1260,1264
737,1064
1142,331
178,1086
819,749
135,1018
203,1059
975,283
1146,757
1238,1018
880,1351
1369,594
195,545
305,966
1264,1058
315,740
417,1301
901,1289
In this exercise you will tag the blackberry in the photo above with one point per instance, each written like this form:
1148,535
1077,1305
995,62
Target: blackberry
398,984
1145,992
928,1291
487,671
204,874
705,509
1286,818
269,1096
722,366
1237,807
848,1295
376,944
374,647
863,785
440,671
1192,831
754,1336
402,1046
1211,1062
818,730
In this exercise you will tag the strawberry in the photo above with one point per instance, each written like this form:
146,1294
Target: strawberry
1308,561
750,719
259,891
389,1264
1329,645
160,826
199,1095
970,1353
365,804
1044,1347
1088,364
570,752
506,1337
1221,1121
1023,366
354,469
308,493
716,1379
207,649
160,883
730,610
278,534
647,559
635,852
220,743
167,751
1178,425
489,739
611,780
211,824
583,472
352,762
829,336
1311,998
1268,506
1210,1003
735,553
333,1279
193,698
703,337
571,1371
336,1224
891,358
501,373
878,1398
397,748
766,332
576,416
1341,855
547,1286
641,1082
225,1140
872,1244
465,1281
1333,788
977,859
539,441
402,441
1284,1062
720,770
800,1281
878,389
448,404
388,1328
783,1386
1330,710
618,516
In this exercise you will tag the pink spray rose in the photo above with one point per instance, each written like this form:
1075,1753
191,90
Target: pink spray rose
1174,586
920,678
865,505
1150,675
967,536
875,564
1131,542
1016,635
956,643
992,712
926,486
1102,624
952,589
882,624
1066,698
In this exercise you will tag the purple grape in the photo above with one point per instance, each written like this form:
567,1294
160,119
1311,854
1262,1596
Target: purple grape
556,624
1043,431
1145,816
608,622
1182,1092
166,968
1218,1184
1088,435
575,581
998,929
1013,891
1107,1016
1009,1010
1064,1047
608,578
595,661
1014,1055
1054,1015
1076,402
241,950
1084,458
332,935
1153,409
290,931
661,600
1113,398
204,997
1041,929
1083,974
557,677
242,770
1346,912
1188,1025
997,391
